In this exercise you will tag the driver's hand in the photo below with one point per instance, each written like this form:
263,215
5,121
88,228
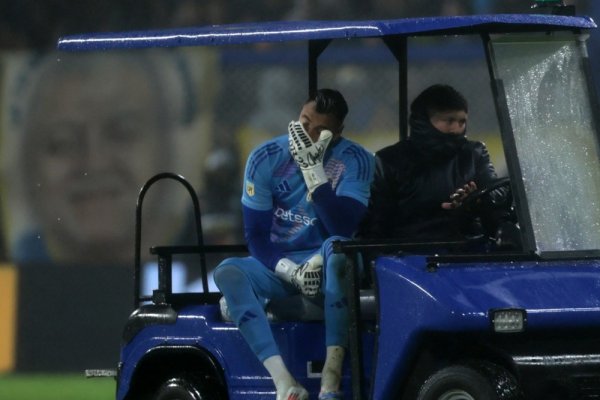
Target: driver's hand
457,198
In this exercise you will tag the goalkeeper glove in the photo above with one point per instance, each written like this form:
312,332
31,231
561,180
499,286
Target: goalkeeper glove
309,155
306,277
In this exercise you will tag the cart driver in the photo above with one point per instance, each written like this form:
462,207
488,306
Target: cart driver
421,183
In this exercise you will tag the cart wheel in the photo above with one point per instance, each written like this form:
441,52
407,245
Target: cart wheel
186,387
482,381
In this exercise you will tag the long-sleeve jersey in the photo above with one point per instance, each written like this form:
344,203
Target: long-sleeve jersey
275,196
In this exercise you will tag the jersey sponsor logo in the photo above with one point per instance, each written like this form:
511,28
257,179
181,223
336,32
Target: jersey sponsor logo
250,188
288,215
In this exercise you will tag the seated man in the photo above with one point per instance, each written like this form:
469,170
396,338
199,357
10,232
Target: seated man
302,191
420,183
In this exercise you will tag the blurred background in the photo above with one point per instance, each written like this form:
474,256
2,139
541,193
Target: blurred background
81,133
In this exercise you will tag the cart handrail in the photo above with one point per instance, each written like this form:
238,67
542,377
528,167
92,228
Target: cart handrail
138,230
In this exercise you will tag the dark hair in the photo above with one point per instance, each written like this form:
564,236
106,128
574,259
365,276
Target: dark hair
330,101
438,98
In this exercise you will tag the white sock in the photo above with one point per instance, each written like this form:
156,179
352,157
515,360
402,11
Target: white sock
279,373
332,370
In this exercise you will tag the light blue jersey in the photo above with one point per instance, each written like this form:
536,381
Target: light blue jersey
273,181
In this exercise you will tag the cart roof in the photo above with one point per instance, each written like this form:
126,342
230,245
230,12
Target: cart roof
281,31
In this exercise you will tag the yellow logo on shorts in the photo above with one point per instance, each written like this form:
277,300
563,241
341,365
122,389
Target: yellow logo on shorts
250,188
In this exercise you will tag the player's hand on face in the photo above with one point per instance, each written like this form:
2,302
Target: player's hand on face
305,152
309,155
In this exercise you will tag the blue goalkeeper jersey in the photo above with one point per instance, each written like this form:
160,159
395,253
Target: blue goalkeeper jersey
273,181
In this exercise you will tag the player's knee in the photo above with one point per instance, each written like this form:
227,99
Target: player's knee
328,243
336,266
335,262
328,247
228,273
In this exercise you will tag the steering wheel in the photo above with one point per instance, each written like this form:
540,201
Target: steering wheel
474,197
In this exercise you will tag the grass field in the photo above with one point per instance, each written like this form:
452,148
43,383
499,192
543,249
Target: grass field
55,387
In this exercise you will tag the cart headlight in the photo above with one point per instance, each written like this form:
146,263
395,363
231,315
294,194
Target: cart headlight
508,320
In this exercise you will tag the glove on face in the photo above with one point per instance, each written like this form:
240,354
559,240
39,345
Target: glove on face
306,277
309,155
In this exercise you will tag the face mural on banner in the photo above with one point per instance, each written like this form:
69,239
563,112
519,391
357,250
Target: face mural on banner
81,134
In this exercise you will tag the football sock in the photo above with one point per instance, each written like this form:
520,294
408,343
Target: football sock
332,370
286,385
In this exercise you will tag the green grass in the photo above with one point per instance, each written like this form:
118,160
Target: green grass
55,387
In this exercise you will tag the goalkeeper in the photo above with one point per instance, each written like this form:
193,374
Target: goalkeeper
302,191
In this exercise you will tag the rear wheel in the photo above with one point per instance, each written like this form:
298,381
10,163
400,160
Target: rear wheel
483,381
187,387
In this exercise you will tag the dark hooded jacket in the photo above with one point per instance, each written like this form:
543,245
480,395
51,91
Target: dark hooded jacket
413,178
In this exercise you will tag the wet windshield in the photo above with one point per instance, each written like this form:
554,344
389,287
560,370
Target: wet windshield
555,138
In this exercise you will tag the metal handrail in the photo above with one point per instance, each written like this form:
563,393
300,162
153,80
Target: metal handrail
138,230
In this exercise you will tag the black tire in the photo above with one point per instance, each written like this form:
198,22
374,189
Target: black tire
186,387
483,381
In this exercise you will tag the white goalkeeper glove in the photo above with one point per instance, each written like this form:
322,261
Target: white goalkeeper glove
309,155
306,277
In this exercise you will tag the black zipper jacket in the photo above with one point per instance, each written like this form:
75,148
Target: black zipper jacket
412,179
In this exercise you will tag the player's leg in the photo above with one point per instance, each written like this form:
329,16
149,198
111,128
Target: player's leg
336,319
245,283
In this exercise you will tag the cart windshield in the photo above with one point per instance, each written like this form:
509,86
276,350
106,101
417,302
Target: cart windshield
554,138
